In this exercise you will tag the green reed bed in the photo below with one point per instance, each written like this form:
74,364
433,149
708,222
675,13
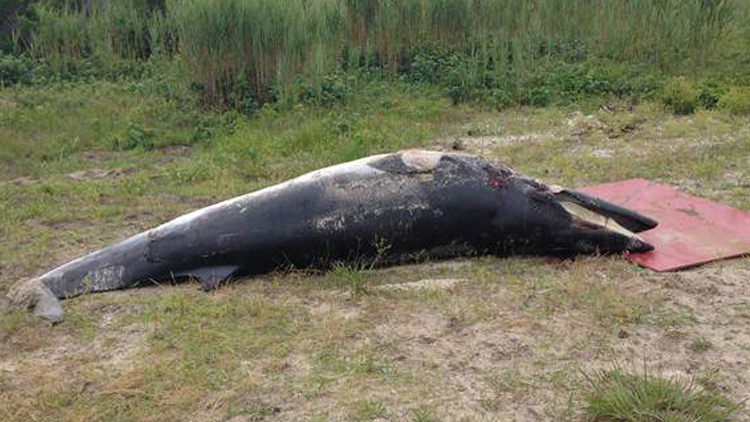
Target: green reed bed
265,47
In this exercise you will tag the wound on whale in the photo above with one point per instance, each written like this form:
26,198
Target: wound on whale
415,202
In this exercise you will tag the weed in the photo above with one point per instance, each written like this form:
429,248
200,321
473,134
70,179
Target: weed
351,278
709,94
507,382
671,320
217,354
736,101
136,137
614,395
423,414
680,95
700,345
510,382
368,410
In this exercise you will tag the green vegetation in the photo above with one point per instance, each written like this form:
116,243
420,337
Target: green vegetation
736,101
243,54
700,345
680,95
616,396
369,410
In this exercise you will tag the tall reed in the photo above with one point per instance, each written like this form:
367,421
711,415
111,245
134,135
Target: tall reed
110,31
250,45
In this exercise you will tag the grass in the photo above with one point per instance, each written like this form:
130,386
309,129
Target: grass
617,396
368,410
332,346
700,345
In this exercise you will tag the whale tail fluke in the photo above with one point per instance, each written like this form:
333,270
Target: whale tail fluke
34,295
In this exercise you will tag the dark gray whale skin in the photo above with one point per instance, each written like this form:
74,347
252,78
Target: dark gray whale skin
388,206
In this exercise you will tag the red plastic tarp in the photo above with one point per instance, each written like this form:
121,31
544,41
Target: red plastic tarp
692,231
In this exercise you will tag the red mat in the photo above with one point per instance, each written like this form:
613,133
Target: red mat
691,231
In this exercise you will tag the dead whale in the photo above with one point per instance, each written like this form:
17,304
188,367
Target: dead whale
388,206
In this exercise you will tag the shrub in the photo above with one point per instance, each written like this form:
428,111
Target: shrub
428,65
680,95
22,70
12,69
333,88
709,94
736,101
535,93
136,137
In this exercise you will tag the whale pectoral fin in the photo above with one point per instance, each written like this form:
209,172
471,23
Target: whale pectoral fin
211,277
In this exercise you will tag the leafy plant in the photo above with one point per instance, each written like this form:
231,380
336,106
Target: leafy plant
736,101
680,95
350,277
709,94
137,137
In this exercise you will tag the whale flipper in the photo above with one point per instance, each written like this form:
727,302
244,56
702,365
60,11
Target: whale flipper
211,277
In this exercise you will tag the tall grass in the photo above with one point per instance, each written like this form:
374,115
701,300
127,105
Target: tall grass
110,31
232,46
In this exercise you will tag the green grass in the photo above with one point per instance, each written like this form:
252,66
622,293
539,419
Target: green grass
617,396
368,410
700,345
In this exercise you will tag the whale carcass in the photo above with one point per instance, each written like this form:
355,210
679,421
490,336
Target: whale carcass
390,207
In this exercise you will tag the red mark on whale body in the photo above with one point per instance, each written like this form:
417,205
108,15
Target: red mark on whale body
496,182
497,178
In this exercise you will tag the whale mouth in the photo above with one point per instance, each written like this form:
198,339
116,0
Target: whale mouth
586,218
590,213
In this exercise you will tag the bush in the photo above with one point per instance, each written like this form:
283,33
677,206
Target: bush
535,93
333,88
136,137
22,70
736,101
12,69
428,65
709,94
680,95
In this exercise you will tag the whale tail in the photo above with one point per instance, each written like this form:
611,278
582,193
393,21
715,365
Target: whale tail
116,267
36,296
